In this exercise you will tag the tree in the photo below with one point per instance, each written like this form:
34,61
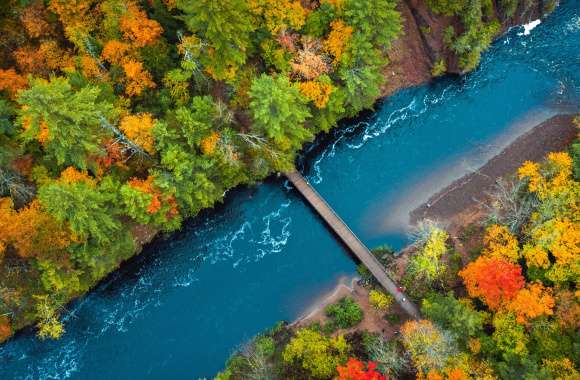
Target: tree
224,27
509,337
387,354
380,300
308,62
196,179
138,28
5,328
365,16
361,86
77,17
428,347
48,324
338,39
12,82
88,210
31,231
67,122
426,264
531,302
357,370
138,79
138,128
457,316
447,7
317,91
147,205
316,353
500,243
279,15
279,111
495,281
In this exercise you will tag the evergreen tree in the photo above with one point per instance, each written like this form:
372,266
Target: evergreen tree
224,26
66,122
84,207
279,111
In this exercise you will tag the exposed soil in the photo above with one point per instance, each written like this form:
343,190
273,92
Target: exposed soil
373,320
555,134
413,55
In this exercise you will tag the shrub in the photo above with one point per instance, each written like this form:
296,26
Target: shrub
344,314
380,300
439,68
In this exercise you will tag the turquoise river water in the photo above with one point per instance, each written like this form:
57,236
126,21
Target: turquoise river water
188,301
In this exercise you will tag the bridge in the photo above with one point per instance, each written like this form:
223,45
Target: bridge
352,241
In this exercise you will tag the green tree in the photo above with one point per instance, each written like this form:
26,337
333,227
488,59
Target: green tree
510,337
225,26
447,7
426,264
365,16
88,211
456,316
197,179
344,314
279,111
66,121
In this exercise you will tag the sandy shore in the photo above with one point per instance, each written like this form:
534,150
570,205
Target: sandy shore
555,134
373,320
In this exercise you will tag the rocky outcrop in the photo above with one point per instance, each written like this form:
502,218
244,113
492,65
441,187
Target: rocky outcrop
413,55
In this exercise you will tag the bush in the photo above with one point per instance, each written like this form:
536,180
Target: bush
344,314
380,300
439,68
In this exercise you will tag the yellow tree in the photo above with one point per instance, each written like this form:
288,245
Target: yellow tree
500,243
138,128
532,301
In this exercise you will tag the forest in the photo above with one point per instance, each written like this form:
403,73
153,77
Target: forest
120,119
500,301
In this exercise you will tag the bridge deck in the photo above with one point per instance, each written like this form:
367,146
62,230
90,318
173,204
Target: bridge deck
351,241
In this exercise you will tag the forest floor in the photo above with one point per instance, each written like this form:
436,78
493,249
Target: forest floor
458,208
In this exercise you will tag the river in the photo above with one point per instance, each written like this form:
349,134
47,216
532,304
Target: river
188,301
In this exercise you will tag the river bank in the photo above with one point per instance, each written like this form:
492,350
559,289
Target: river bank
262,255
555,134
421,40
458,207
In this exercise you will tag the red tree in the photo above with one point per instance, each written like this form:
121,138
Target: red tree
494,280
356,370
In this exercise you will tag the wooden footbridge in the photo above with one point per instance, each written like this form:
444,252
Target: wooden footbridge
352,241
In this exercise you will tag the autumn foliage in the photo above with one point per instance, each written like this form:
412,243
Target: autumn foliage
138,79
338,39
531,302
357,370
493,280
31,231
317,92
138,128
138,28
11,82
500,243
